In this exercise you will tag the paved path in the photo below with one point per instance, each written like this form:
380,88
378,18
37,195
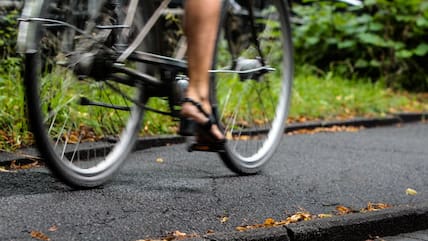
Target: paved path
415,236
195,193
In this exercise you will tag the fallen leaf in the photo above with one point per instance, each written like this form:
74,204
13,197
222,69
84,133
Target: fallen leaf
2,169
224,219
179,234
327,129
159,160
375,207
17,166
39,235
269,222
343,210
73,138
176,235
260,122
54,228
411,192
241,228
300,216
324,215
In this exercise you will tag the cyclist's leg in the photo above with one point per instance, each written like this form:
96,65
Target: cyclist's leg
201,26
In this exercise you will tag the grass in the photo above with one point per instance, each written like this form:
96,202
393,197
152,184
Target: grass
315,96
329,96
13,125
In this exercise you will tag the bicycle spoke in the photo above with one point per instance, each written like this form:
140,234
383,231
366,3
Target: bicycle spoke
85,122
254,106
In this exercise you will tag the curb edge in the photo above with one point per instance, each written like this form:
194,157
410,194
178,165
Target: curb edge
350,227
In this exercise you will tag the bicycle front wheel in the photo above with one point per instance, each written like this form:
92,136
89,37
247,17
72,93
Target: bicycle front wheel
252,100
85,121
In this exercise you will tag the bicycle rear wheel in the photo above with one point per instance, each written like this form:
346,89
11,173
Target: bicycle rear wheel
85,122
252,105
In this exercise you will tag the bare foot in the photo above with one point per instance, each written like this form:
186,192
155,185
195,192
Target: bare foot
189,110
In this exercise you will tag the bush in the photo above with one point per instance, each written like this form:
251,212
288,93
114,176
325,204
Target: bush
8,33
13,126
385,40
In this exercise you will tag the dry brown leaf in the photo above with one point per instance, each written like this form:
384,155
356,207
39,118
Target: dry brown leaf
306,216
375,207
299,119
151,240
39,235
179,234
54,228
260,122
327,129
269,222
300,216
242,228
324,215
16,166
73,138
224,219
243,138
343,210
3,169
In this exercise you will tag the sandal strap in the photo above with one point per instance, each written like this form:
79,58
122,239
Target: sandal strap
207,125
197,105
211,119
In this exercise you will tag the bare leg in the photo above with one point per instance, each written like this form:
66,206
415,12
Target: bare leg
201,26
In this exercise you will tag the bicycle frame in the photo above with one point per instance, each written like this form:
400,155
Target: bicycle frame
172,66
89,79
176,66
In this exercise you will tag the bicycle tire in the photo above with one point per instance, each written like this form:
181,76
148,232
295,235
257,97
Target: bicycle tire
252,108
84,124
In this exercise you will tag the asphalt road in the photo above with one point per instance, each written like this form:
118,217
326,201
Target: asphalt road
196,193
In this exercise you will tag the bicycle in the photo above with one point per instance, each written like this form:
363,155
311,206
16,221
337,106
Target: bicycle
93,67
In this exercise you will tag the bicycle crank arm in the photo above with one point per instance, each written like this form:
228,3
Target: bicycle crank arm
87,102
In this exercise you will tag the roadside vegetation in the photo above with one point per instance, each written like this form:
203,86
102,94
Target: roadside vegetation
350,62
385,41
329,96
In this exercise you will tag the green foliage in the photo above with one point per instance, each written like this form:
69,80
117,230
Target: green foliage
14,130
13,124
8,33
331,96
383,40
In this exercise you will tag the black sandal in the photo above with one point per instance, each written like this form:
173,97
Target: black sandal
206,141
